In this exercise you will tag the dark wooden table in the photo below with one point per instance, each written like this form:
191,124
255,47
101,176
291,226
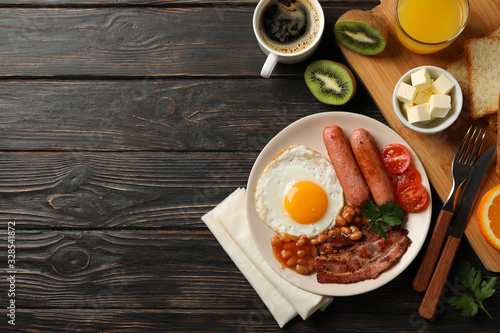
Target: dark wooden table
121,124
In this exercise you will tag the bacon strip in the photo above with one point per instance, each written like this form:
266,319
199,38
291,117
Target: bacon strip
365,259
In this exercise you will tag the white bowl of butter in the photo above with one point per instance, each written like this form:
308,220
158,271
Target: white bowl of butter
427,99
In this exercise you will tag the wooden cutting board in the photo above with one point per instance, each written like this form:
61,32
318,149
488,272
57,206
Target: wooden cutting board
380,74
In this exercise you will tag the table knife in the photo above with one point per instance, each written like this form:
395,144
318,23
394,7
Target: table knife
424,273
460,170
454,235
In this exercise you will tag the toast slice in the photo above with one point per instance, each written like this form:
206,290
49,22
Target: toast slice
483,64
458,67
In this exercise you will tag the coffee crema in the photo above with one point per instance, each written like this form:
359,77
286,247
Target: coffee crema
289,26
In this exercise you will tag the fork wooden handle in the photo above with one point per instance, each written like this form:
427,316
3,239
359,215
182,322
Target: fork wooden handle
433,293
424,273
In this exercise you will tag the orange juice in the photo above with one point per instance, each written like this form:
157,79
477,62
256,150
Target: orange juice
427,26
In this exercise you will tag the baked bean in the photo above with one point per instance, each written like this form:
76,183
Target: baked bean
302,269
339,220
357,219
350,210
333,232
354,228
345,230
285,238
310,265
322,237
289,246
314,252
301,242
356,235
347,216
285,254
276,241
358,211
301,253
348,213
292,261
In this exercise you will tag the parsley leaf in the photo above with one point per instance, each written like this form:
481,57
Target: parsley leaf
391,213
466,303
471,278
388,214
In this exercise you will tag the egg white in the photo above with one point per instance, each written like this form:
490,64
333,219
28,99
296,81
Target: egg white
292,165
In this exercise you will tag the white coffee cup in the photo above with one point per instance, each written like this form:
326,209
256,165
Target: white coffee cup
284,51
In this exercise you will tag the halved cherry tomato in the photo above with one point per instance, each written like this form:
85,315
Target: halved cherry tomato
410,175
396,157
412,197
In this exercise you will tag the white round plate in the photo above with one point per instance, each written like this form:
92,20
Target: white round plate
309,131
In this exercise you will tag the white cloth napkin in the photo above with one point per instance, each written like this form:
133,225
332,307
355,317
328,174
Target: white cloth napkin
229,225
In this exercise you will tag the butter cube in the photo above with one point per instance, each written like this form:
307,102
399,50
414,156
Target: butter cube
421,79
442,85
405,107
406,93
418,113
439,105
428,91
422,97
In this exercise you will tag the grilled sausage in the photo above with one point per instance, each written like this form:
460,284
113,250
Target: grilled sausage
350,177
370,162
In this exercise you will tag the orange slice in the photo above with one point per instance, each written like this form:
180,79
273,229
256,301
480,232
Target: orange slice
488,217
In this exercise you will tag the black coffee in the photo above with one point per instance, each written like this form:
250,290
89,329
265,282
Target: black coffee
289,26
284,23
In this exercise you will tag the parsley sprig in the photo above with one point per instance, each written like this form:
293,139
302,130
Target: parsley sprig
471,278
388,214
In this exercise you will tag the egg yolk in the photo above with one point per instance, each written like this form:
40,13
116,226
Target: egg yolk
306,202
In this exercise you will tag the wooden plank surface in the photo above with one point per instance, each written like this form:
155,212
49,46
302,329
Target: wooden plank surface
154,114
121,124
257,320
87,281
141,42
380,75
117,190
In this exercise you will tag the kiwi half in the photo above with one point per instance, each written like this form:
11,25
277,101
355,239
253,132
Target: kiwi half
362,31
330,82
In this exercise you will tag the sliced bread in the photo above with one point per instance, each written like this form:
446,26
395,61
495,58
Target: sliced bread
483,64
458,67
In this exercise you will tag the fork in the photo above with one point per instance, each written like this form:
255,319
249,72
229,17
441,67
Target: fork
465,158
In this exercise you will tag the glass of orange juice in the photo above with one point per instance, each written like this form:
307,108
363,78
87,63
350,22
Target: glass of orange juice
428,26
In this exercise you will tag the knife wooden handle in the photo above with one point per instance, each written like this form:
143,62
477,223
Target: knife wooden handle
424,273
433,293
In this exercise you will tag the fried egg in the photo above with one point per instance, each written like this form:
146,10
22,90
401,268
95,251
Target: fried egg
299,193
